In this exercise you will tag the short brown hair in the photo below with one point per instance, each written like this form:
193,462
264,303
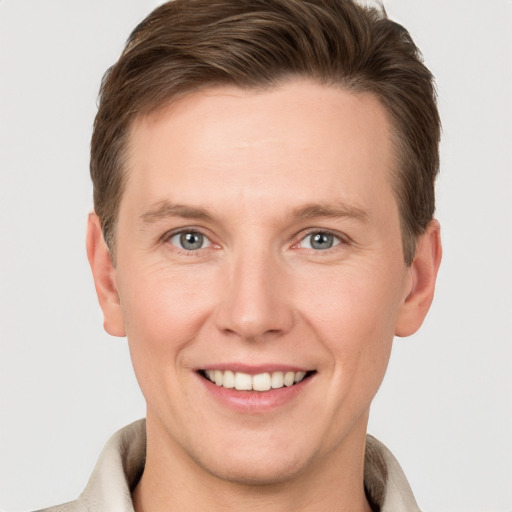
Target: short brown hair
186,45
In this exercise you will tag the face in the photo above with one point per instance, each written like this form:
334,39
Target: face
260,274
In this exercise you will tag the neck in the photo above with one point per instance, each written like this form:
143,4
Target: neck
173,481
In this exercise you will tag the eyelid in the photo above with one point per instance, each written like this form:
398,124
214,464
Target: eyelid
343,239
205,241
166,238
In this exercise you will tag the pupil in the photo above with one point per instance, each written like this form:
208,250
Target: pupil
322,241
191,240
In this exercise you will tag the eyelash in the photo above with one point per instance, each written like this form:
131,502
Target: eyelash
187,231
339,239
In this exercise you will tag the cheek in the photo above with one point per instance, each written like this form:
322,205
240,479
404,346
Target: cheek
162,302
354,316
357,305
163,313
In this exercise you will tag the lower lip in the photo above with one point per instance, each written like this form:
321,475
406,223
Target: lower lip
255,401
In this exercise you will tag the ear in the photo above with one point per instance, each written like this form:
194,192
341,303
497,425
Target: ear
104,275
423,280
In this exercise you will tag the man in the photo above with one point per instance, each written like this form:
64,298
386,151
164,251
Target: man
263,185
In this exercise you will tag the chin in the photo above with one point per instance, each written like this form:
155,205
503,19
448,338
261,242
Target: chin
255,472
248,457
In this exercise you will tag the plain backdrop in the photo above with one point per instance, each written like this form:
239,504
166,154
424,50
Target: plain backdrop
445,408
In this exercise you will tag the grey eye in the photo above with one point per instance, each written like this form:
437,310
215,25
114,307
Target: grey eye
189,240
320,241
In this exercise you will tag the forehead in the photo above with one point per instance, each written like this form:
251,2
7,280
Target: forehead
301,140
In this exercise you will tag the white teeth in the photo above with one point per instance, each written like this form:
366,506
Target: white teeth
243,381
289,378
259,382
277,380
299,376
229,379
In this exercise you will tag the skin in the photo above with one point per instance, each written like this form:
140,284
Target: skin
266,169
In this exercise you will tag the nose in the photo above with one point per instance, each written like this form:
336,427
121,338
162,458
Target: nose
254,300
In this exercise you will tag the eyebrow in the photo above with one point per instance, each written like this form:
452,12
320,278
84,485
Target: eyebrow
165,209
330,210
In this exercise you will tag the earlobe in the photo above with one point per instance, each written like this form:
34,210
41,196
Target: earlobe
104,273
423,270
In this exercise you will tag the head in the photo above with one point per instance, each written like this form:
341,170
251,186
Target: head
185,46
263,176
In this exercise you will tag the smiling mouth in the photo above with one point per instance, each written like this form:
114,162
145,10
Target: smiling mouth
260,382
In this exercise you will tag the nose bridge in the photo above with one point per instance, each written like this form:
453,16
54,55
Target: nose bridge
254,301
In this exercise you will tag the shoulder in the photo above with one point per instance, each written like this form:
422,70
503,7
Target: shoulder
119,467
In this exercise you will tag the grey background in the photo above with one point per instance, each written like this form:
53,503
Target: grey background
445,408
